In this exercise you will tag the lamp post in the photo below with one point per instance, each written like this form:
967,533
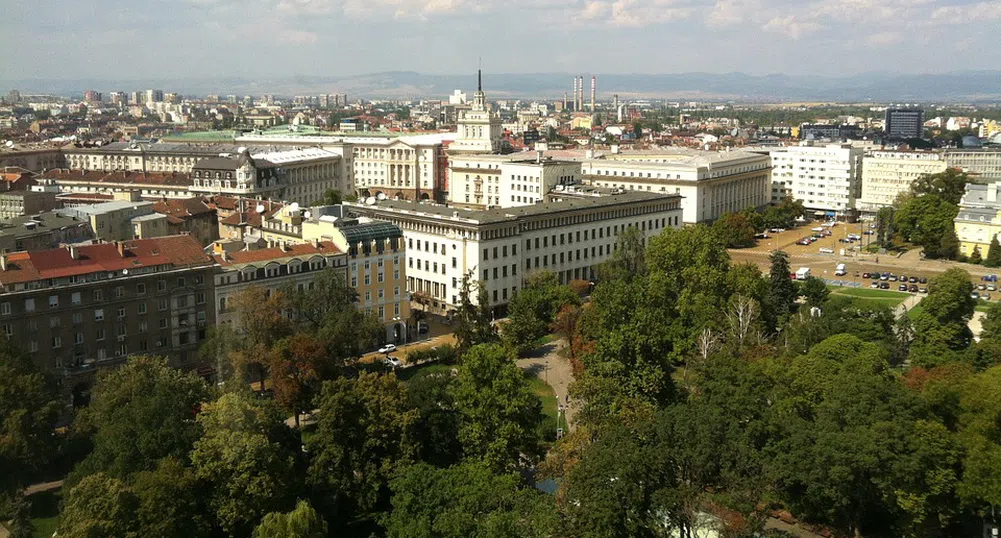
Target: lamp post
406,329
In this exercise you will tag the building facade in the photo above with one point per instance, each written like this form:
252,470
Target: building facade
42,231
979,218
20,203
77,309
478,128
904,123
886,174
982,164
500,247
825,178
482,180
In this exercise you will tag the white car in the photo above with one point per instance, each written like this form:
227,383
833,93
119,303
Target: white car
393,362
388,348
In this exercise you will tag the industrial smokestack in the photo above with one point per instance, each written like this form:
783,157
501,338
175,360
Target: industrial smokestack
575,93
594,82
564,100
580,102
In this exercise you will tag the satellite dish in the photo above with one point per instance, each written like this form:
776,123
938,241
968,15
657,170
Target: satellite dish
381,196
370,200
241,149
125,271
294,206
260,208
9,144
306,215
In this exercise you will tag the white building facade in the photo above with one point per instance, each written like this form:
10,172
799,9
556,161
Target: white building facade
886,174
825,178
481,180
500,247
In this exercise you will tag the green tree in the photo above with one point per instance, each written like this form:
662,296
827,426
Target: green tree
29,408
980,417
950,185
533,308
498,411
975,256
628,260
815,291
948,247
885,228
332,197
364,434
927,221
473,323
245,460
735,229
993,253
169,502
140,413
466,500
297,366
437,428
783,289
303,522
940,329
99,505
991,323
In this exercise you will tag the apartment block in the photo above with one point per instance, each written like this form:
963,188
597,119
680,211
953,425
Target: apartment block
826,178
886,174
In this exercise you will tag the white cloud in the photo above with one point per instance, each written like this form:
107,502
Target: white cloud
594,11
965,14
297,37
790,26
638,13
884,39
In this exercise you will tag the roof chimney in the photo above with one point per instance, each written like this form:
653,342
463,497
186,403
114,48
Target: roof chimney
316,242
3,262
74,253
120,245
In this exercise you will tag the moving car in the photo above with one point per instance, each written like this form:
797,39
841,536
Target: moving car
393,362
826,250
840,270
388,348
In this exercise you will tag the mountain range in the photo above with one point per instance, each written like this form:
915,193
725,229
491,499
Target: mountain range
960,86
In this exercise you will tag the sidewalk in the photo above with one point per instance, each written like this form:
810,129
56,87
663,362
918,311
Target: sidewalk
555,371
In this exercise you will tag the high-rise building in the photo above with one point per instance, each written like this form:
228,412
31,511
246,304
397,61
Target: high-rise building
904,123
886,174
154,96
825,177
13,97
118,98
92,96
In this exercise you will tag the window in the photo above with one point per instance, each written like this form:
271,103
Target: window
163,323
98,295
100,335
142,308
8,330
163,305
121,313
33,346
5,309
486,274
222,304
77,318
382,293
180,282
75,298
53,301
161,285
119,292
382,311
200,298
143,327
141,289
57,342
368,280
29,305
354,281
78,338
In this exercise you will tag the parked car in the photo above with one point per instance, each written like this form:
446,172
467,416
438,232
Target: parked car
875,284
922,289
902,278
388,348
865,275
975,295
884,285
912,288
892,278
867,232
982,287
991,287
884,276
843,240
923,280
777,230
902,287
392,361
826,250
986,297
913,280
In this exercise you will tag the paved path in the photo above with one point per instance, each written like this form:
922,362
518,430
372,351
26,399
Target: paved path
976,324
42,487
546,364
908,304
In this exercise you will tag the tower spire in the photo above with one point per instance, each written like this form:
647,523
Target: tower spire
479,80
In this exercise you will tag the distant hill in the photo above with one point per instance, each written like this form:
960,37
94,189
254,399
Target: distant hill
979,86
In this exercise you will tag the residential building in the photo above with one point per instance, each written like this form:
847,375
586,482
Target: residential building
377,269
286,265
116,220
500,247
149,185
20,203
904,123
13,178
979,217
826,178
42,231
982,164
79,308
240,176
190,216
886,174
306,174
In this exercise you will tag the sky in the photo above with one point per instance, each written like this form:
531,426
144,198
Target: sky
60,39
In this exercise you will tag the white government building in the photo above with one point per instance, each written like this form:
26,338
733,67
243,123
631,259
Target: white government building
500,247
825,177
886,174
711,183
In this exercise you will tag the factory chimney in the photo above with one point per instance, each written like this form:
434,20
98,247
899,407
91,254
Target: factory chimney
594,81
580,102
564,100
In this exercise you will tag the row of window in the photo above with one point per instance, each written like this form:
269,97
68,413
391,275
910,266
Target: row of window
76,297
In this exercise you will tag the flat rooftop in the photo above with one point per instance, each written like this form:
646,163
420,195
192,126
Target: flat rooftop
495,215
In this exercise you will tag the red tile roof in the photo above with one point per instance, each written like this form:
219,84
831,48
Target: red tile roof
325,248
140,178
182,207
175,250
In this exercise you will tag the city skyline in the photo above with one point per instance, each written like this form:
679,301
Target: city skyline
260,38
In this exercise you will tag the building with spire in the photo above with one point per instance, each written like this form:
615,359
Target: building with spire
479,129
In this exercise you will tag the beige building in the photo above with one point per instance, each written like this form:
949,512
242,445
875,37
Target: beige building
20,203
484,180
120,220
886,174
979,218
36,156
479,130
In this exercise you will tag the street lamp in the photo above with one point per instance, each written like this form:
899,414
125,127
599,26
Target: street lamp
406,329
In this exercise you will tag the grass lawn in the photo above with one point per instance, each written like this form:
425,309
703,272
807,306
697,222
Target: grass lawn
45,512
549,405
406,374
983,306
869,295
913,313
